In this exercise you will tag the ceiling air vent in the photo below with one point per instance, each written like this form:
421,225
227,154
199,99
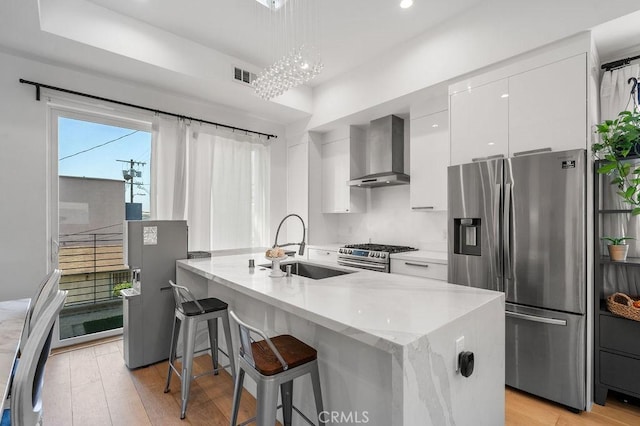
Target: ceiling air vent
243,76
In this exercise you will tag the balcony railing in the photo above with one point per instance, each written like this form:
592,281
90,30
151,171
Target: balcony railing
91,265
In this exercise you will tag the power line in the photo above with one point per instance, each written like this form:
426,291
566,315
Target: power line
98,146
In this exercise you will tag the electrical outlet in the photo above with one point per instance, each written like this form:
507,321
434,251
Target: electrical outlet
459,348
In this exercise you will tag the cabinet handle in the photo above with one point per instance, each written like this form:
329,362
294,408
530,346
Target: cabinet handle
491,157
423,208
533,151
416,264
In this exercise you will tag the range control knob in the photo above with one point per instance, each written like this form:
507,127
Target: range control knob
340,251
384,255
349,251
371,255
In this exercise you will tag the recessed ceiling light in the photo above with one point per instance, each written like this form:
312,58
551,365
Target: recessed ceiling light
405,4
434,125
491,143
505,95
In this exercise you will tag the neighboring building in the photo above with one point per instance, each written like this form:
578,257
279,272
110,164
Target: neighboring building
91,204
92,214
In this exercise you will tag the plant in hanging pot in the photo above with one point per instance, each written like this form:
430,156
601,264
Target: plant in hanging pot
617,248
620,140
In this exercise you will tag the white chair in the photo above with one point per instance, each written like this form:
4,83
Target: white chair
26,397
45,291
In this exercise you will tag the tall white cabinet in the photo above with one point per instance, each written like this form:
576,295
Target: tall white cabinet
428,165
543,107
343,158
297,187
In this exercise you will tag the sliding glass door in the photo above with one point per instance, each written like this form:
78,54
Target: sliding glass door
99,178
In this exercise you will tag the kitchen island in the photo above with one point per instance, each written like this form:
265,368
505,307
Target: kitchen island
386,343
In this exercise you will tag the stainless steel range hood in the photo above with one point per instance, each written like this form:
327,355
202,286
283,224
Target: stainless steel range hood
386,154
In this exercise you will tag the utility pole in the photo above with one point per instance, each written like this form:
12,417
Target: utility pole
132,173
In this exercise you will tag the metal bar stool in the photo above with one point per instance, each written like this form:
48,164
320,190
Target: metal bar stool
272,363
189,312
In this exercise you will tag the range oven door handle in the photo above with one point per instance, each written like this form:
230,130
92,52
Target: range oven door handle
366,265
536,318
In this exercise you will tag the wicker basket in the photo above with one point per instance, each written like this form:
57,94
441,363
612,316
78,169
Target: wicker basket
621,304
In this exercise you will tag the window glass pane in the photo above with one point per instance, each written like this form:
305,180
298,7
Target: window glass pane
104,176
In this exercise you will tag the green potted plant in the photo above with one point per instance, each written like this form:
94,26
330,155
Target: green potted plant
617,248
620,138
121,286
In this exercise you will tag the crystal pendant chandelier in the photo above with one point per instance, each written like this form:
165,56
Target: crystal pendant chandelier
296,60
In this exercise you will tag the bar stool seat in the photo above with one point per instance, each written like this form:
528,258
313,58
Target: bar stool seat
210,304
189,313
293,351
274,363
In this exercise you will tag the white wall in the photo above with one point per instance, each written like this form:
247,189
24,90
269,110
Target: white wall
24,175
389,220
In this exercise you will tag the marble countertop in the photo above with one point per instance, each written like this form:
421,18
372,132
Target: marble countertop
422,255
370,306
12,315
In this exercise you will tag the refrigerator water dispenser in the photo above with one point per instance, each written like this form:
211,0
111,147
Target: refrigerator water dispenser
466,238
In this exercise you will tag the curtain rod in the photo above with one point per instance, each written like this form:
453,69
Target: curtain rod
619,63
157,111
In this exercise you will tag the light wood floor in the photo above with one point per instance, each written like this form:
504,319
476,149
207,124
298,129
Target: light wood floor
90,385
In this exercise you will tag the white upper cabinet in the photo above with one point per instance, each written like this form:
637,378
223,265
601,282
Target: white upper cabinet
428,168
343,159
479,122
548,107
544,107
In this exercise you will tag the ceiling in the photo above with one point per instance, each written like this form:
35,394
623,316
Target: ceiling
350,31
618,38
188,47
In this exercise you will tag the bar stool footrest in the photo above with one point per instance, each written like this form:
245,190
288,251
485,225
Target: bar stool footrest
305,418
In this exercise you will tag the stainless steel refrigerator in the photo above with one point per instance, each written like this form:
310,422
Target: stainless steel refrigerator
152,248
518,225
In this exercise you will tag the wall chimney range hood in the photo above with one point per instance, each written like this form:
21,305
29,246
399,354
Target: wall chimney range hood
386,154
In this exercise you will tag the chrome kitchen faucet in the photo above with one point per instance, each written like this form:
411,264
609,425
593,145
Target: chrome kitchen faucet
302,244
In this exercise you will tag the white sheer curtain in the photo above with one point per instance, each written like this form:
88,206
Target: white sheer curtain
168,168
615,91
615,96
222,189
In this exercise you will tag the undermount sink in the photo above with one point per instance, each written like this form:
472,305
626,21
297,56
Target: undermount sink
315,272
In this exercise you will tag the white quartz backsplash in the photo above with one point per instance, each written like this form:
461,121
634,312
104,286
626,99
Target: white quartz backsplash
390,220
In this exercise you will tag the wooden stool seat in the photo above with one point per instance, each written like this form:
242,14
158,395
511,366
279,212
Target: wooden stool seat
274,363
293,351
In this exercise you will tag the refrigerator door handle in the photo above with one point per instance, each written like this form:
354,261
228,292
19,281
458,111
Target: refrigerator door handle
506,220
536,318
496,228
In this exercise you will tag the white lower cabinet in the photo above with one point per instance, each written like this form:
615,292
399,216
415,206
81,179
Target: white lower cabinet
419,268
322,254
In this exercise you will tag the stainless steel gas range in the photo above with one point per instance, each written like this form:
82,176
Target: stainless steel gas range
374,257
